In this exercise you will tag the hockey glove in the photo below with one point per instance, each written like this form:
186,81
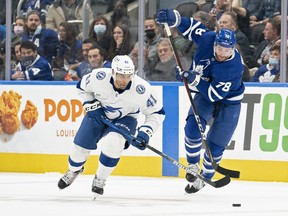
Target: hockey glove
192,77
142,138
95,112
169,16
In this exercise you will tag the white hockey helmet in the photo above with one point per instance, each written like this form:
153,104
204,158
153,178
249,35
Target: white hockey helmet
123,64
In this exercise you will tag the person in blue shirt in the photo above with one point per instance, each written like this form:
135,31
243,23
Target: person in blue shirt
96,58
269,72
34,66
45,39
216,79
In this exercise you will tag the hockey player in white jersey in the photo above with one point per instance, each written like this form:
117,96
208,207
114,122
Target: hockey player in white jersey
119,95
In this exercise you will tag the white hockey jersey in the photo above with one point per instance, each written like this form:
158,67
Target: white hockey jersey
138,97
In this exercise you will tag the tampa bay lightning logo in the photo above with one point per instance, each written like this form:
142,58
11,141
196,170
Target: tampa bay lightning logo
110,109
140,89
100,75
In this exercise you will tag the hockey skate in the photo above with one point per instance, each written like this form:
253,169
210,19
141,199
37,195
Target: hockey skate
68,178
194,187
97,186
190,177
195,183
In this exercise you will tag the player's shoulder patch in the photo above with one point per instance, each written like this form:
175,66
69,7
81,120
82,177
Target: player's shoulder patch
140,89
100,75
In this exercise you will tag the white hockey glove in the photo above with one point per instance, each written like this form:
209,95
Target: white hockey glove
95,112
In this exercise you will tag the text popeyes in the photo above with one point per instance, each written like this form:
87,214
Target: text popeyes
64,109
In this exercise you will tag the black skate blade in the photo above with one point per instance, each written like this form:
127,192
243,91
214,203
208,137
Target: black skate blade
189,189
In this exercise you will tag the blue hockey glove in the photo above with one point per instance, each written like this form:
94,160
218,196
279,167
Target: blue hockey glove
95,112
169,16
192,77
142,138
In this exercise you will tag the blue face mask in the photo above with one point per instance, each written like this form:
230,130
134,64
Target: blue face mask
38,30
27,60
273,61
100,29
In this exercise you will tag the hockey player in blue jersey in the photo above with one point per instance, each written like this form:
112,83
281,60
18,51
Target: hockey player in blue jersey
117,94
215,77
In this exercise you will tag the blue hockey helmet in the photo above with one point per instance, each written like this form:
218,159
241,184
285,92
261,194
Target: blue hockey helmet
225,38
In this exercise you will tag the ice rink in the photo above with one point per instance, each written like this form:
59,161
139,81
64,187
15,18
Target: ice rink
38,194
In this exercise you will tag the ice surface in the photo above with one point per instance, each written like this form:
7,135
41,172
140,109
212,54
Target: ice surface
38,194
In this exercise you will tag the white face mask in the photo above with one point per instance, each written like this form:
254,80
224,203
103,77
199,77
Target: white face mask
38,30
274,62
18,29
100,29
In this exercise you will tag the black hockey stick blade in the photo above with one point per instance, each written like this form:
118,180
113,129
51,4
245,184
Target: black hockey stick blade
224,171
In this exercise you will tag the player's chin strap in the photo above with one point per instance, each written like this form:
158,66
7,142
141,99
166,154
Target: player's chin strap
217,167
216,184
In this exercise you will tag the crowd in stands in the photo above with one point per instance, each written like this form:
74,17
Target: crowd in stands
47,39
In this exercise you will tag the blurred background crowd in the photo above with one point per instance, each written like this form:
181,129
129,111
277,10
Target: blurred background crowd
66,39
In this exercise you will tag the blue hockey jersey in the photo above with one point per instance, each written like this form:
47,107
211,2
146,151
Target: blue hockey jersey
220,81
40,69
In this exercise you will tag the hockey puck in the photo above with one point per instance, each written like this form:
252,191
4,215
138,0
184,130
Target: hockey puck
236,205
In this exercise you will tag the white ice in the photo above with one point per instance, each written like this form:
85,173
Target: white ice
38,194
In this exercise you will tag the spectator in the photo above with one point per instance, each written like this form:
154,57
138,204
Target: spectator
164,70
34,66
152,36
228,20
267,9
75,70
69,52
271,35
96,59
2,61
268,72
219,7
121,43
18,29
120,14
100,32
66,10
179,41
40,5
46,40
251,6
16,71
2,33
243,17
134,56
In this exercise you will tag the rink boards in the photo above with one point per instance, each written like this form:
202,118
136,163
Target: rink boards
258,149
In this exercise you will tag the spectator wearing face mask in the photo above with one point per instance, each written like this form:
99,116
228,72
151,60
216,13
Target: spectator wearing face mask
34,66
100,32
152,37
46,40
269,72
18,29
120,14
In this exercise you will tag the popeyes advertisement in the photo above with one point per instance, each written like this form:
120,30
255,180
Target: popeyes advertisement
39,118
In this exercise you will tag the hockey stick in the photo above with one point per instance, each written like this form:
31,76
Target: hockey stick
217,167
216,184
